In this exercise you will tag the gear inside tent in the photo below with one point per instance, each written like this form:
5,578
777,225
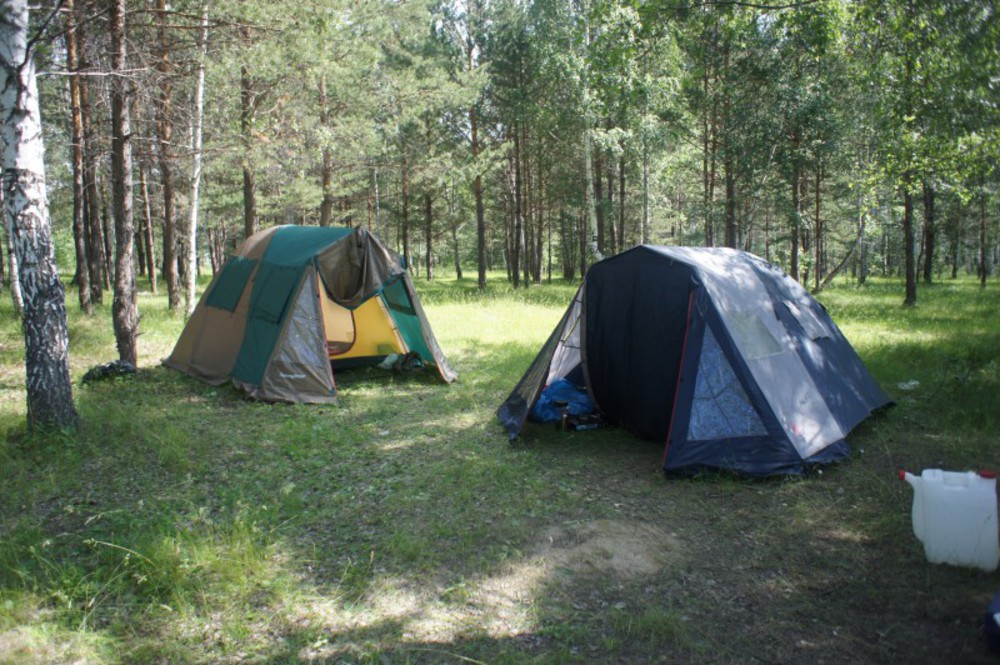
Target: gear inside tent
715,353
296,304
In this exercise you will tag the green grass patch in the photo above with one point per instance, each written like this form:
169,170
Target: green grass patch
186,523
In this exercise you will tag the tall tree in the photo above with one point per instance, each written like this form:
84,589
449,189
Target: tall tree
197,119
125,310
46,336
166,153
96,255
79,227
249,98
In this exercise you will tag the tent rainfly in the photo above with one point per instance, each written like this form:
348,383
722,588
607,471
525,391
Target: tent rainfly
297,303
714,352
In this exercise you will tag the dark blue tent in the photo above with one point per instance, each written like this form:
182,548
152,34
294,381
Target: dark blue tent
716,353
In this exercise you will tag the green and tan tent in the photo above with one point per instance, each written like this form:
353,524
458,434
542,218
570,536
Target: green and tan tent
294,305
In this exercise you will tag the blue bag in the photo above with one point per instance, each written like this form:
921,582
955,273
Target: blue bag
561,394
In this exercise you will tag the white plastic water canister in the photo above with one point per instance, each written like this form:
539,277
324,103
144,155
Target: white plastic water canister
955,516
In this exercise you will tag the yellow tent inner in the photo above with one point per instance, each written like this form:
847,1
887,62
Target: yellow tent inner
366,331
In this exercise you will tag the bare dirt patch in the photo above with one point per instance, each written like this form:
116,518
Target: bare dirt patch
624,549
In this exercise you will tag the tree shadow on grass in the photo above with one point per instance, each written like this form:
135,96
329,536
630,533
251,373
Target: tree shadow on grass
188,523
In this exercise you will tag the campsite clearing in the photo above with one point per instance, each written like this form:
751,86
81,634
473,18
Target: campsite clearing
188,523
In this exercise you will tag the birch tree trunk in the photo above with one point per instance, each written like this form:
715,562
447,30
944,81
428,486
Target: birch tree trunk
191,246
15,282
588,195
125,310
588,150
46,335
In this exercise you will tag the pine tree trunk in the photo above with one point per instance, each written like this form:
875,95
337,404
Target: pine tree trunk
644,231
707,157
623,245
518,227
473,14
164,131
817,232
805,236
96,257
540,233
930,232
609,207
712,173
477,191
429,235
599,201
458,256
796,222
139,239
79,228
326,177
125,311
527,225
731,240
147,225
909,265
862,242
549,262
404,221
983,271
248,103
569,247
46,336
108,233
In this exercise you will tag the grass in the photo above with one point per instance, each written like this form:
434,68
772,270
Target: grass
184,523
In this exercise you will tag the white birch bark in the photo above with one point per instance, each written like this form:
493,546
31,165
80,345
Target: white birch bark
588,147
46,336
191,246
15,282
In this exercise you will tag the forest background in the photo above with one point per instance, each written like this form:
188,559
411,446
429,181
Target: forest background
509,135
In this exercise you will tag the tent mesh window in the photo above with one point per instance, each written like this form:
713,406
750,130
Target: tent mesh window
721,408
304,343
567,353
229,287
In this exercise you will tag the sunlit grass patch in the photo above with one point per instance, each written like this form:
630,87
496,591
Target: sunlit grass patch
184,522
